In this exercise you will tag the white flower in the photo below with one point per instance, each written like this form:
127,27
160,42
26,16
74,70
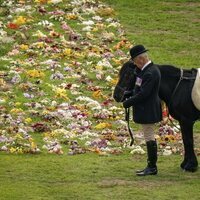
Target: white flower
45,23
167,151
29,96
2,100
108,78
54,103
55,1
114,24
123,123
137,150
19,10
114,108
97,18
88,23
104,63
89,11
109,19
4,148
39,34
87,28
88,143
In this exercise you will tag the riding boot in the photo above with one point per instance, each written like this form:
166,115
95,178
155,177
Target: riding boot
151,168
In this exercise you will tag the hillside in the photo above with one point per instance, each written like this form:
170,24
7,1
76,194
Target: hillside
59,65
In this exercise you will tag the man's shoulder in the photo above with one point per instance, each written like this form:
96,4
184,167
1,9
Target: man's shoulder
153,70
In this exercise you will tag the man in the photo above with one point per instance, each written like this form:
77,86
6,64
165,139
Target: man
146,103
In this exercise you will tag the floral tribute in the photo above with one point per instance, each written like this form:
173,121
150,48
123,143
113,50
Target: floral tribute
59,66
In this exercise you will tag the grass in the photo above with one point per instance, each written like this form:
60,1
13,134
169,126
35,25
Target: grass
170,30
89,177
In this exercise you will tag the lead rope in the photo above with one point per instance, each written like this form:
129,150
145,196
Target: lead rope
127,114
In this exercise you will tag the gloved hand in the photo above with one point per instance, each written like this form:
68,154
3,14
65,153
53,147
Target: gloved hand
128,102
128,94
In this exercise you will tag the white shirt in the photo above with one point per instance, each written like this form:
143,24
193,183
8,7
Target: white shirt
146,64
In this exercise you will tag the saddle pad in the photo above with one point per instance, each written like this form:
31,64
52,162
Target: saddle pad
196,91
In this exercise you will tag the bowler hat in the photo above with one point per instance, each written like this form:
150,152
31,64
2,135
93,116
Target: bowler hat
137,50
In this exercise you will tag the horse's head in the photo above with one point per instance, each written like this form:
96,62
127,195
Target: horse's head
126,81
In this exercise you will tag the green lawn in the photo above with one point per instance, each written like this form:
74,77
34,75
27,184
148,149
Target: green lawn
170,30
90,177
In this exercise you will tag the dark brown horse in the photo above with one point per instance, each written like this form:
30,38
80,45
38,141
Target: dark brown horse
175,90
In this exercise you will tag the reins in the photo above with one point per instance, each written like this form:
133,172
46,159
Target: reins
127,115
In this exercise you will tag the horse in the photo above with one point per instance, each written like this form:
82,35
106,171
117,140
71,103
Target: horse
175,90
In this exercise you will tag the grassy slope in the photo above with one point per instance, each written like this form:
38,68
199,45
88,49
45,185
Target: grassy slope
92,177
170,29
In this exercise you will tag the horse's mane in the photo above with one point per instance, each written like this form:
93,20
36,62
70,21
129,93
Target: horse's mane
127,67
171,70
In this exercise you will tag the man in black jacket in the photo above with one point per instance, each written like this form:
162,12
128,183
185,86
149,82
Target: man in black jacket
146,103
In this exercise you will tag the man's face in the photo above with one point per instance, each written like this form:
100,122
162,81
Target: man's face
138,61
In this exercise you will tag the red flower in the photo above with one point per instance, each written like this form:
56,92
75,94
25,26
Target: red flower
12,26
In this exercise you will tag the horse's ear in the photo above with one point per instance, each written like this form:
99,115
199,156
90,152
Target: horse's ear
126,65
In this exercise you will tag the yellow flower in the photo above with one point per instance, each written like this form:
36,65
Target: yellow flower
16,110
79,55
71,16
23,47
18,136
61,93
21,1
12,150
28,120
41,1
99,67
118,62
103,125
54,1
33,145
39,45
46,134
18,103
2,82
20,20
97,94
67,52
19,150
114,81
35,73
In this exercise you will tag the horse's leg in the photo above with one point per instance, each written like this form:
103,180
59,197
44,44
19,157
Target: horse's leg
190,162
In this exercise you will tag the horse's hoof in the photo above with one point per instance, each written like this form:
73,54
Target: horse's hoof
190,169
182,165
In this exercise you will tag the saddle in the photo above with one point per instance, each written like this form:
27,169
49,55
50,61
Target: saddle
196,91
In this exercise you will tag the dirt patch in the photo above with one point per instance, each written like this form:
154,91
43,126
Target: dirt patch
147,184
114,182
183,4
